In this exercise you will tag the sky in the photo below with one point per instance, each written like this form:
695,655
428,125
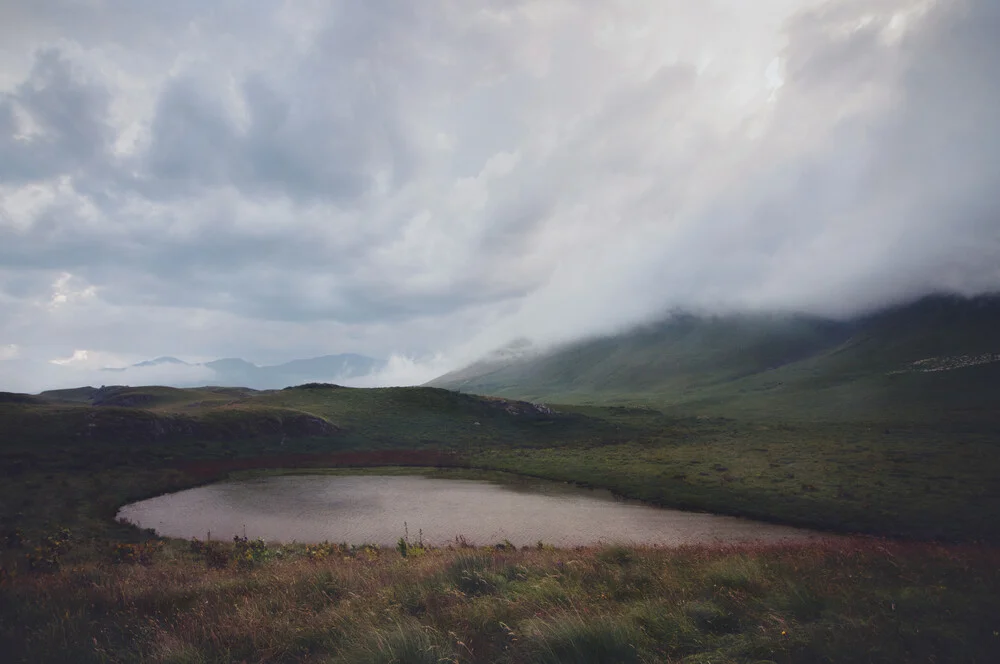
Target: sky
427,181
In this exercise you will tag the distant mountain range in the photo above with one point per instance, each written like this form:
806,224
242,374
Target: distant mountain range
236,372
938,355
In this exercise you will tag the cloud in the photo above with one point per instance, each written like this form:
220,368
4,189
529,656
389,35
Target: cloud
52,123
868,183
401,370
84,367
282,180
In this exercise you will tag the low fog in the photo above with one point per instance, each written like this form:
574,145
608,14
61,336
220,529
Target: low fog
425,183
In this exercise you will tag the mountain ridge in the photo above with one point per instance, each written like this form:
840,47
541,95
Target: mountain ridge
237,372
795,364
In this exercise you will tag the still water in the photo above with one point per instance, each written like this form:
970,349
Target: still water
374,508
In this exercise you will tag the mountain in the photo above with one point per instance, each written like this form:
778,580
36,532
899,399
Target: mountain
33,375
160,361
939,355
237,372
325,369
232,371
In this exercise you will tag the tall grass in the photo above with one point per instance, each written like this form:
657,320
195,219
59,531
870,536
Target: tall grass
852,600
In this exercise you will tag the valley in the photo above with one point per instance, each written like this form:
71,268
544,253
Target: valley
825,435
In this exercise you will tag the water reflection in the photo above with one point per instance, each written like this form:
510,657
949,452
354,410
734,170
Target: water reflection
373,509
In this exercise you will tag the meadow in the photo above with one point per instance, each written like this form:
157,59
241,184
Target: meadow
853,601
921,584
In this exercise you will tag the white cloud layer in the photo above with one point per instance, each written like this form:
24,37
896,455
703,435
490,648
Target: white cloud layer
430,180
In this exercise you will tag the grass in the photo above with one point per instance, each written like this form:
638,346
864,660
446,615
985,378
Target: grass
850,601
788,367
76,586
916,482
889,478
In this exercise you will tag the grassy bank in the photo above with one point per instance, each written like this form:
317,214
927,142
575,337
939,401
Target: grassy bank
897,480
76,586
902,479
851,601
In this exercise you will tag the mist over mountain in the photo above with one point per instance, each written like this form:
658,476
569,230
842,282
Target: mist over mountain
549,170
236,372
936,353
345,368
155,362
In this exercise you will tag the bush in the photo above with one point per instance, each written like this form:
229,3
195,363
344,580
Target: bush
248,553
324,550
212,553
46,556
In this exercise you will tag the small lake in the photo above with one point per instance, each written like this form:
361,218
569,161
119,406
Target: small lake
360,509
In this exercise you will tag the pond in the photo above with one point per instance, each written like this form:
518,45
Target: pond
379,509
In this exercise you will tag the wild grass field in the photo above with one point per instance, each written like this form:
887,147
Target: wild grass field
853,601
76,586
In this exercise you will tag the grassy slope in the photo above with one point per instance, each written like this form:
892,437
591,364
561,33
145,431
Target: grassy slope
821,603
769,367
895,478
682,354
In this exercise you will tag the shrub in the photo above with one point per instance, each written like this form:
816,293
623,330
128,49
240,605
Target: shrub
46,556
43,560
407,548
212,553
248,553
324,550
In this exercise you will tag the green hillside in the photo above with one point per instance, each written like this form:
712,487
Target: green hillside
933,358
77,585
904,477
152,422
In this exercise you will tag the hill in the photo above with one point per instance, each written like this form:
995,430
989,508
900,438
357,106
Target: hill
154,421
33,375
237,372
936,357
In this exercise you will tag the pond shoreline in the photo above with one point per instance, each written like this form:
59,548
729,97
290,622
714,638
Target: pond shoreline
202,472
375,507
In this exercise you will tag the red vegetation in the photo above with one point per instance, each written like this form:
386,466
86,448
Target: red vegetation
207,468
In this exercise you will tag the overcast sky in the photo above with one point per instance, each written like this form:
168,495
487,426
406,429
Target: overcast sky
271,180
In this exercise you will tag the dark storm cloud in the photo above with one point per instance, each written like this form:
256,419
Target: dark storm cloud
61,128
870,184
439,172
329,144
